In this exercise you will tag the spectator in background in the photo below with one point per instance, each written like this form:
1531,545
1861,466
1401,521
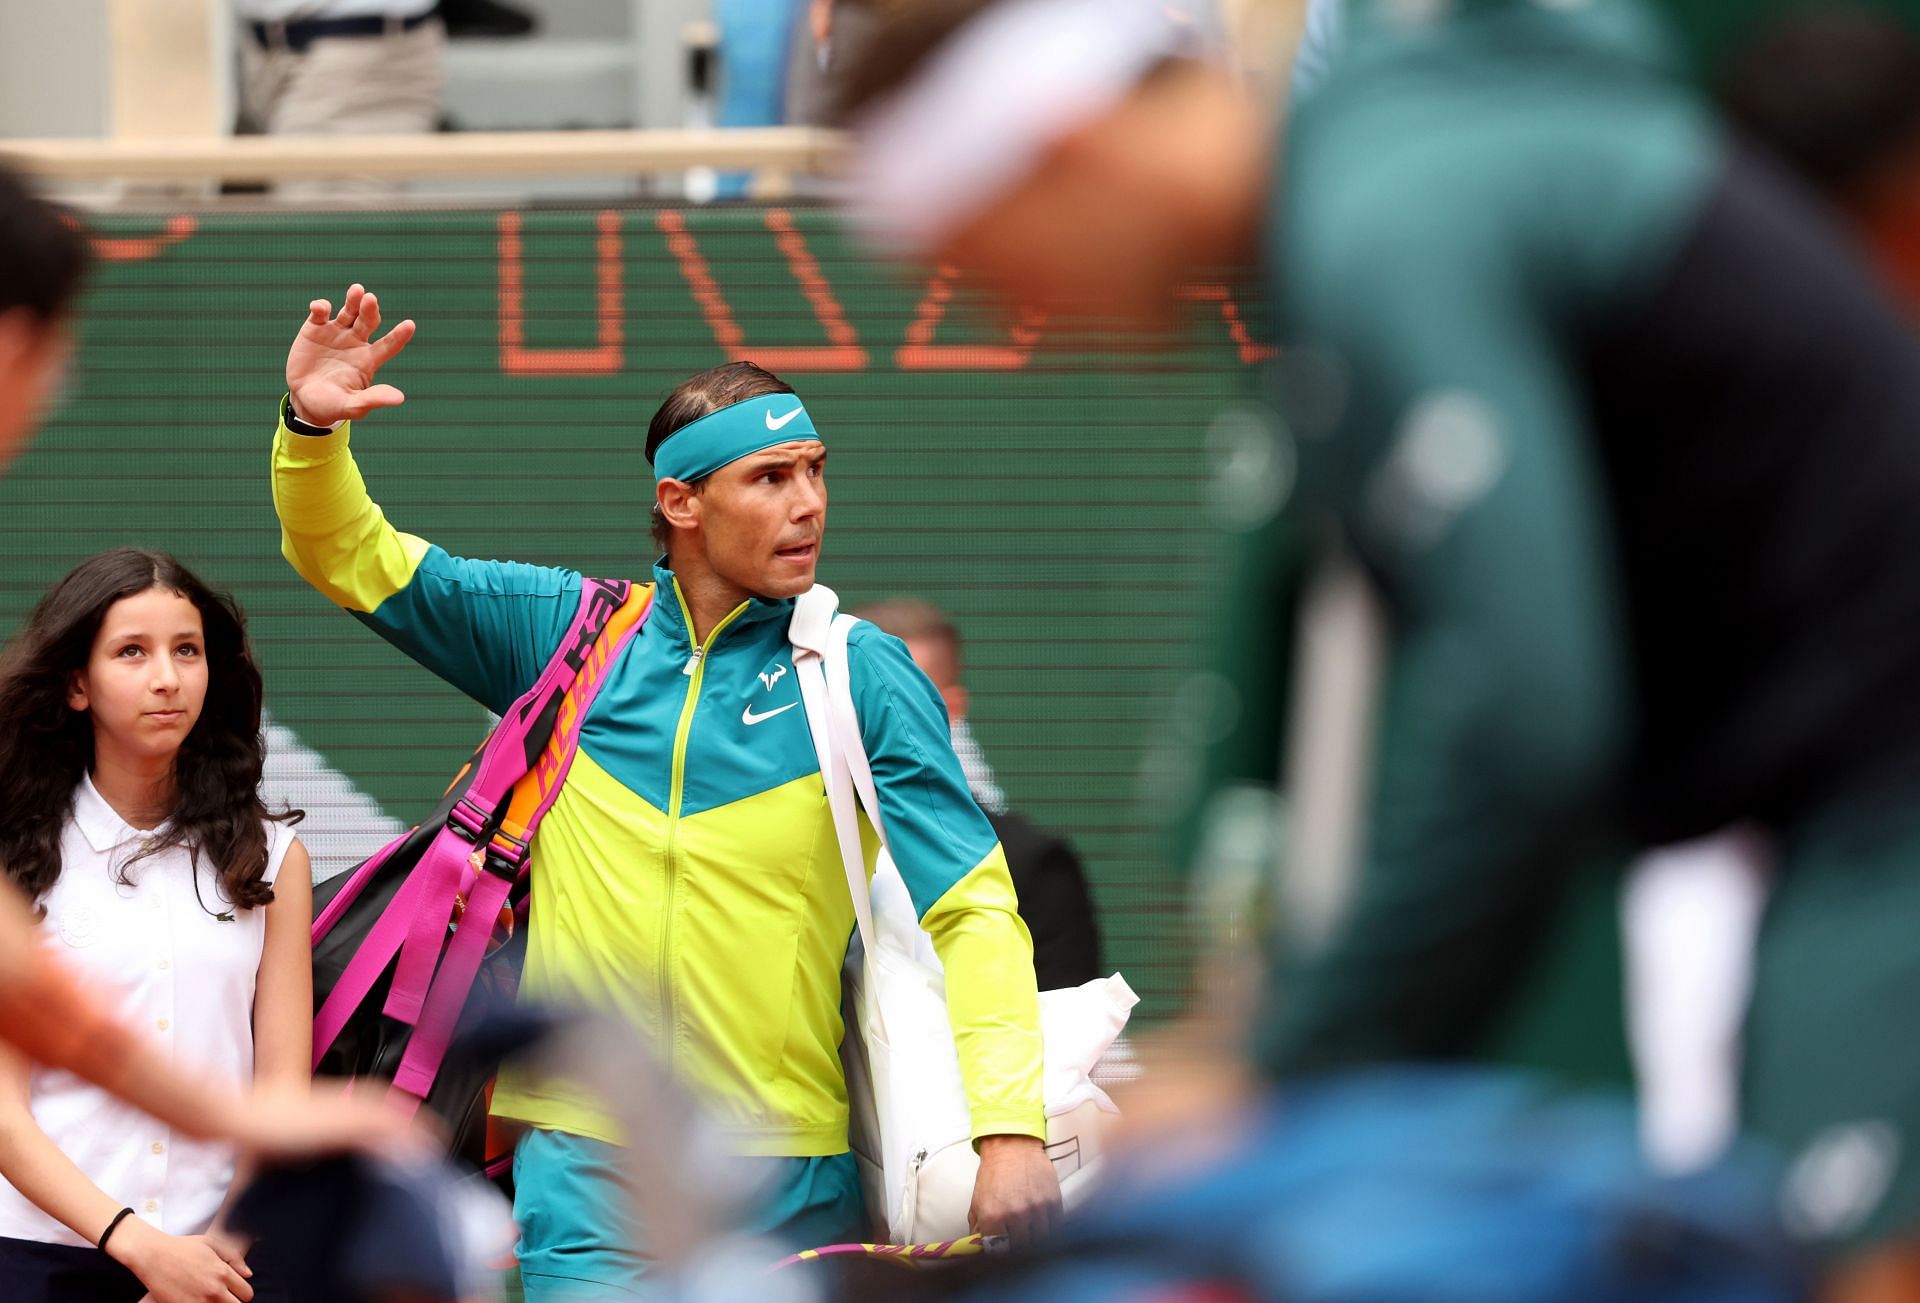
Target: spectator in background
829,38
340,68
484,18
1046,873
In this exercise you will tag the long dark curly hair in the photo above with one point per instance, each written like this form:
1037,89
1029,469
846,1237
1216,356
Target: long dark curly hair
46,746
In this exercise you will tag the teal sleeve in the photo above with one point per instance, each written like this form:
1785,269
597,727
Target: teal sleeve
935,830
486,627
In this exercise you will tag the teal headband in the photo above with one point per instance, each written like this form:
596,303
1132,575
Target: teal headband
730,434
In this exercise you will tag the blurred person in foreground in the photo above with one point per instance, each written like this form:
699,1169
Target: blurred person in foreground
1621,428
1047,876
43,1012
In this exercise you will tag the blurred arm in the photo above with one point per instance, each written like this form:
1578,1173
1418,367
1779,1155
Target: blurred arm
45,1016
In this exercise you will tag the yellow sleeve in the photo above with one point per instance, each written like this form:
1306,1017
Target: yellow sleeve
992,1000
331,532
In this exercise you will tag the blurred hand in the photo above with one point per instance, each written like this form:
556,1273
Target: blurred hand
1016,1193
180,1268
291,1122
331,366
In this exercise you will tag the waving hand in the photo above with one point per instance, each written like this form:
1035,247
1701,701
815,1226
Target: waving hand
331,366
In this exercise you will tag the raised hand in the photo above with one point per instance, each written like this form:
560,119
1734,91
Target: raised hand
331,366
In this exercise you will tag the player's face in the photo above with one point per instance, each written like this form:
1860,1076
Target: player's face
762,519
32,357
145,679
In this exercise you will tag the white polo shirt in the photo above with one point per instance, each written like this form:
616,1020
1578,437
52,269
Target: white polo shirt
174,964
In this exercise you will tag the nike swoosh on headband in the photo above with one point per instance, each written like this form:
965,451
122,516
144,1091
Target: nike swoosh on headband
734,431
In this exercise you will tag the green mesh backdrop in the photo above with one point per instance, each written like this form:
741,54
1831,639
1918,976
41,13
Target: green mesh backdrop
1050,497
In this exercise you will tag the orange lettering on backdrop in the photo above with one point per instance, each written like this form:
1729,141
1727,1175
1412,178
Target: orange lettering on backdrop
516,357
841,352
920,353
141,248
1251,349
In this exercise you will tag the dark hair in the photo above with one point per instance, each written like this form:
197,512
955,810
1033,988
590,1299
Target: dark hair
1834,92
47,746
701,395
898,50
42,251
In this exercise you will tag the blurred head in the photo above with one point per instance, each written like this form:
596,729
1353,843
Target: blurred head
133,660
741,491
931,640
42,255
1834,92
1075,153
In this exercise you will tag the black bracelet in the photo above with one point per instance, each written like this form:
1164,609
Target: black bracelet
113,1226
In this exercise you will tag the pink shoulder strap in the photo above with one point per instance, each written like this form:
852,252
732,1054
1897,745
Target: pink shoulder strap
535,741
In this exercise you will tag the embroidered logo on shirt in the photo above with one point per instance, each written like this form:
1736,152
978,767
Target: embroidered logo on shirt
79,926
779,672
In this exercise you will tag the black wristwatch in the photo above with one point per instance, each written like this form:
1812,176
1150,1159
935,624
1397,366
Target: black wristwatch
299,426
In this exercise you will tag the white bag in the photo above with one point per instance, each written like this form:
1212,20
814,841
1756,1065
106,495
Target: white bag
910,1127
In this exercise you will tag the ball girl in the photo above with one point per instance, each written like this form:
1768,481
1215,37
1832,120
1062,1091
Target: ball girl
130,760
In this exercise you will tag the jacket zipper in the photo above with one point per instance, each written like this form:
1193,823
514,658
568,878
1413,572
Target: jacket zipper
695,672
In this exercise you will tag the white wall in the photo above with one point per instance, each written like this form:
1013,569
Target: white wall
53,68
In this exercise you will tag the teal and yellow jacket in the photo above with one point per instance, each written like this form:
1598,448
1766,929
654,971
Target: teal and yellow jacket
688,878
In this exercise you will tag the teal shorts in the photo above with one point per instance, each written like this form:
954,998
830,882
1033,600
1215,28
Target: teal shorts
580,1237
